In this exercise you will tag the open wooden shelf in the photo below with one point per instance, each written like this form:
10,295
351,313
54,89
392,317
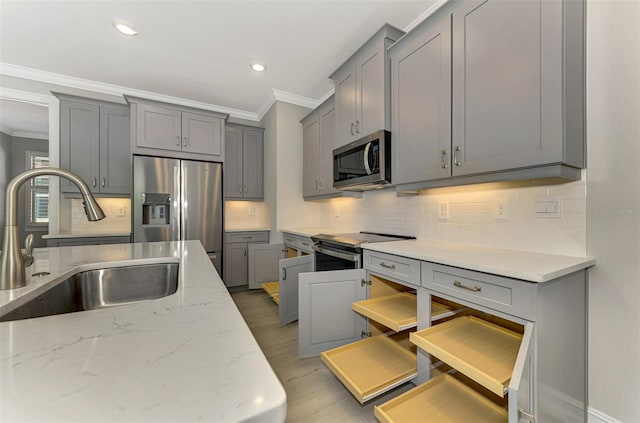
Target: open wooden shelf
483,351
271,288
442,399
276,299
371,366
396,311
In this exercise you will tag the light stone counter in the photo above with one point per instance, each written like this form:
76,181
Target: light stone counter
533,267
98,235
186,357
247,230
308,232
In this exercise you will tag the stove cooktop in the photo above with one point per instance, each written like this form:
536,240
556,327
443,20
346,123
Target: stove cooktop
356,239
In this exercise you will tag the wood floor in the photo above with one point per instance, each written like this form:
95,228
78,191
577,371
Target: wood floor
314,394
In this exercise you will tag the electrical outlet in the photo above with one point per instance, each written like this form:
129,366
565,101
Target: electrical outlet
336,211
501,209
122,211
251,211
443,210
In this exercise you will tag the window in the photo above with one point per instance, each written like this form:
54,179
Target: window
38,193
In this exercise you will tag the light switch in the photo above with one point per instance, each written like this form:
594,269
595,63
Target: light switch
547,207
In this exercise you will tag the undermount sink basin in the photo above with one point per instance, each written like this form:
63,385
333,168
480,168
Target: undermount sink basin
101,288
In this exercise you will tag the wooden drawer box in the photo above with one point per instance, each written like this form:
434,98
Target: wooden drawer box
510,296
247,237
396,267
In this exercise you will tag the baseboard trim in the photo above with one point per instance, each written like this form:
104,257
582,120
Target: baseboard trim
597,416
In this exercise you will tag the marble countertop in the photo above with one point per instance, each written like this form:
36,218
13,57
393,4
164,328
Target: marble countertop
533,267
64,236
186,357
247,229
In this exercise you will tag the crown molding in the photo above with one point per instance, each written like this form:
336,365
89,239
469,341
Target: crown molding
296,99
6,130
424,15
262,110
28,134
116,90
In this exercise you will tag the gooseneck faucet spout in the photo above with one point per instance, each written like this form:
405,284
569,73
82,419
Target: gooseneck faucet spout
12,263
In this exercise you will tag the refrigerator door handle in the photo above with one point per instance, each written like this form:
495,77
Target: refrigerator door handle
177,200
184,224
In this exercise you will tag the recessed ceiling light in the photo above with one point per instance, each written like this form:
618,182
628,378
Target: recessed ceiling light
258,66
125,28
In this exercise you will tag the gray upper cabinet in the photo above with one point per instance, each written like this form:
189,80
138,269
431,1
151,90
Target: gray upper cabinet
516,108
176,131
318,142
244,163
362,89
95,144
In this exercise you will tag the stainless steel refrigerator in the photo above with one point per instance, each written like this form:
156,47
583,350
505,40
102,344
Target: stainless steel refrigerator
178,200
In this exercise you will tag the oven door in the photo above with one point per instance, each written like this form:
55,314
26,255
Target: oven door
333,259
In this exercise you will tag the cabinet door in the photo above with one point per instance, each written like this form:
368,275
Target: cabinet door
158,127
263,263
115,150
202,134
325,318
497,88
235,264
325,152
252,163
345,84
80,143
370,92
310,156
233,163
290,269
421,104
520,385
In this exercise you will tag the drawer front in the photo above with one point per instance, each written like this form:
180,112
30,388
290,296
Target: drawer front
400,268
233,237
305,244
510,296
290,240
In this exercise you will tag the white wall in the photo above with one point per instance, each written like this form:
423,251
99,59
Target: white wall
270,170
613,206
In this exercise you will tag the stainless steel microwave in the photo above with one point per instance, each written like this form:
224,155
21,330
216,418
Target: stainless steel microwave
364,164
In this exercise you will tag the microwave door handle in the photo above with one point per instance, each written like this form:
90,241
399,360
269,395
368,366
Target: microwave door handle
366,158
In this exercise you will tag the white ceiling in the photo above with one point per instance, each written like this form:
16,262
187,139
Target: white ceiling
20,119
198,50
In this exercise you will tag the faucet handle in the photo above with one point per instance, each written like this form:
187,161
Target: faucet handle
28,257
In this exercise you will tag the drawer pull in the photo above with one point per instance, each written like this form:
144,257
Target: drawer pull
460,285
247,237
388,266
306,244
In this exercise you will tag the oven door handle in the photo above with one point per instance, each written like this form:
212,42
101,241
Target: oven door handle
345,256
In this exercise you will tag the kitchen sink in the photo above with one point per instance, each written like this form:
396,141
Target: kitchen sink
101,288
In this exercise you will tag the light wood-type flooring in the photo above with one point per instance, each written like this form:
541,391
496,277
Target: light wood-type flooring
314,394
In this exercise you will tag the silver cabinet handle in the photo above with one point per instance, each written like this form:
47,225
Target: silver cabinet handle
95,181
178,140
352,128
388,266
357,126
246,190
306,244
456,160
103,182
245,252
284,273
459,284
247,237
320,184
316,184
185,141
444,159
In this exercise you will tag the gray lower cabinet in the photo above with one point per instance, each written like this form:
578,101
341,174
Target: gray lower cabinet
362,89
95,144
243,176
487,91
290,272
181,132
236,255
98,240
263,263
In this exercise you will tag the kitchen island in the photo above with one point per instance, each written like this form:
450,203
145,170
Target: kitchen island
185,357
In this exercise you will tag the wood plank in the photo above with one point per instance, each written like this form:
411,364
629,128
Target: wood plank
397,311
442,399
483,351
271,288
372,366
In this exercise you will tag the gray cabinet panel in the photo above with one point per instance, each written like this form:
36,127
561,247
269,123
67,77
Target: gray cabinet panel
115,150
345,96
371,92
421,104
290,271
252,164
497,87
235,264
263,263
202,134
158,127
325,150
80,143
310,156
244,163
325,318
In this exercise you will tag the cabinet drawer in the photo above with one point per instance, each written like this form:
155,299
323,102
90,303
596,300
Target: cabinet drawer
247,237
503,294
399,268
290,240
305,244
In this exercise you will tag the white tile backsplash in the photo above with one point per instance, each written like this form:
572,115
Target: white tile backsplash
237,215
117,217
471,220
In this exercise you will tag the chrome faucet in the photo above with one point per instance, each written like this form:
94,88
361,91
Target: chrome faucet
12,261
